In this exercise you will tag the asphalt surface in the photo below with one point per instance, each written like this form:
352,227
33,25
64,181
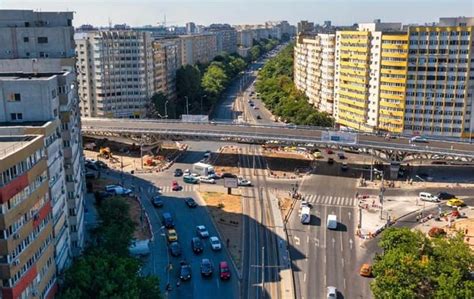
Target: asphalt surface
186,220
323,257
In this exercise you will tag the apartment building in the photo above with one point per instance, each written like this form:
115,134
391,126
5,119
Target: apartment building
314,69
47,43
198,48
27,262
245,38
440,79
115,73
357,75
304,27
166,61
226,37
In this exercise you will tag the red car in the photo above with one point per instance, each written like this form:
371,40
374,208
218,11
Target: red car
175,186
224,271
329,151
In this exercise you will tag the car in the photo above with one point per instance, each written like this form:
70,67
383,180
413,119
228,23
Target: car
252,104
118,190
178,172
445,195
172,235
215,243
344,166
101,164
330,161
243,182
201,231
185,271
175,249
341,156
455,202
90,175
206,267
187,172
317,155
425,196
207,154
331,293
157,201
167,220
175,186
190,202
329,151
213,175
228,175
259,117
190,179
207,180
224,271
255,107
91,165
196,245
366,270
418,139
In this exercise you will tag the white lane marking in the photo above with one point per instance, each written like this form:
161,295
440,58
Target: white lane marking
297,240
307,239
325,279
340,215
350,243
304,277
316,242
342,259
344,283
333,242
349,214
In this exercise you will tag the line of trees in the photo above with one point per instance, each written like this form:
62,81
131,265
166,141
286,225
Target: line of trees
106,270
201,86
278,92
415,266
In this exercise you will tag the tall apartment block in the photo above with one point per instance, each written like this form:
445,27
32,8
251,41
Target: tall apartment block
440,79
314,69
361,76
245,38
166,61
115,73
40,44
196,48
226,37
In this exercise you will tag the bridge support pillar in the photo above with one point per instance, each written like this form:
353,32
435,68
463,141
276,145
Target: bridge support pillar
394,168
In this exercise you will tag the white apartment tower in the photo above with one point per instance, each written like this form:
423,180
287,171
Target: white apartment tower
115,73
314,69
38,43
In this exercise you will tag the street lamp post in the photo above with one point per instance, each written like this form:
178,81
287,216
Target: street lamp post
166,109
187,105
204,96
382,190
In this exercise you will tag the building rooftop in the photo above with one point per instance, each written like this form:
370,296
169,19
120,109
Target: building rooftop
11,144
23,75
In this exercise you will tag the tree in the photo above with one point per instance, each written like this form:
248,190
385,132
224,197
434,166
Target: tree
158,102
188,84
415,266
214,80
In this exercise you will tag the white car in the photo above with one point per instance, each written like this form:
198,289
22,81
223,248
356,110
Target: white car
187,172
215,243
202,231
243,182
213,176
207,180
332,293
117,190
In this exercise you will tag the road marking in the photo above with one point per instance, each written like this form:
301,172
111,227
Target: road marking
325,279
342,259
344,283
307,239
350,243
349,214
333,242
316,242
297,240
304,277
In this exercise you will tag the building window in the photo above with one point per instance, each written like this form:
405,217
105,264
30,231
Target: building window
26,39
16,116
42,40
14,97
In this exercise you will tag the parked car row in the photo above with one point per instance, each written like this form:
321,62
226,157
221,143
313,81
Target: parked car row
452,201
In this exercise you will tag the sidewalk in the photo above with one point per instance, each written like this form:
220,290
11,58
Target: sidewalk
394,208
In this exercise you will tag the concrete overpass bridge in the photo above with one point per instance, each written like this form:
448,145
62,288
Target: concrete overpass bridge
394,151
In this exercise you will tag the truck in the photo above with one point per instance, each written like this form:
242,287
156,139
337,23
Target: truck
332,221
203,169
305,217
139,248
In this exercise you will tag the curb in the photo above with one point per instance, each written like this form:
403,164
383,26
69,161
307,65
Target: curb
220,236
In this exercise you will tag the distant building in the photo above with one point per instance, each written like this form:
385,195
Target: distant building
245,38
242,51
190,28
305,27
166,61
116,76
198,48
226,37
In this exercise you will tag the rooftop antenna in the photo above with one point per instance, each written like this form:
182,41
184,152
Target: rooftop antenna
164,21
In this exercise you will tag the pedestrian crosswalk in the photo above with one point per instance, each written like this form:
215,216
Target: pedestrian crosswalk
169,189
330,200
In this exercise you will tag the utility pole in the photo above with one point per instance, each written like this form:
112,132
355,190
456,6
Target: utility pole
263,271
166,111
187,104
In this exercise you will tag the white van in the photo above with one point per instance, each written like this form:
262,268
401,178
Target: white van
425,196
305,217
332,221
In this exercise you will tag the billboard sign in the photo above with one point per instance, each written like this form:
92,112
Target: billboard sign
230,182
194,118
339,137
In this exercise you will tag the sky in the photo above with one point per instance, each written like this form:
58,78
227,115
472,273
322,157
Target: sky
178,12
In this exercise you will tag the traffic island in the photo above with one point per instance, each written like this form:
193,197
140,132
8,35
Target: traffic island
287,163
226,160
226,213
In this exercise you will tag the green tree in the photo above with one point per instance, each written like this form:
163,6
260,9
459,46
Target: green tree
214,80
188,84
157,109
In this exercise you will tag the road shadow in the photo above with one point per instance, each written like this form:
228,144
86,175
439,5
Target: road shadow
315,220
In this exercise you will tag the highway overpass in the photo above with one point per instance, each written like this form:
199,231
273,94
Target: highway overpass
392,150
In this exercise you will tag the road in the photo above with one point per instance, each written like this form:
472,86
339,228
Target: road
186,220
323,257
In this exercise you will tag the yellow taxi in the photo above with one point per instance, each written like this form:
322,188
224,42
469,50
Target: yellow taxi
172,235
366,270
455,202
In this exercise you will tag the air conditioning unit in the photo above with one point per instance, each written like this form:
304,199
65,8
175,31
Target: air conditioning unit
16,236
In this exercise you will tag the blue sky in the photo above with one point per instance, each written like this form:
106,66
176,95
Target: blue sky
143,12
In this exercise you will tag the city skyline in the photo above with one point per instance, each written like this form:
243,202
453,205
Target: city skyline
341,12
